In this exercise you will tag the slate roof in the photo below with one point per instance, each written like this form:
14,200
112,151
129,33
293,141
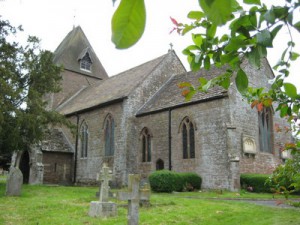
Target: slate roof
69,51
169,96
113,89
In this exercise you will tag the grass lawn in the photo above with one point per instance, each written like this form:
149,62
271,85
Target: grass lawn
46,205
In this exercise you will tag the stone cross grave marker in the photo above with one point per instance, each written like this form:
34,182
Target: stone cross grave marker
14,182
133,196
104,177
103,208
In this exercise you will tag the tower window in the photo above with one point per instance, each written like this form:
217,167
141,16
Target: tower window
86,62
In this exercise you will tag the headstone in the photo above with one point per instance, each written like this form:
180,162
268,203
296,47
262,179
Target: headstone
103,208
133,196
14,182
105,177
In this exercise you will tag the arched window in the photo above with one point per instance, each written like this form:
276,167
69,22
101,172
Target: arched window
146,145
265,121
86,62
188,138
160,164
109,130
84,136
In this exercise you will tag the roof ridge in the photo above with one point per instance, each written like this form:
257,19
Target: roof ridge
71,98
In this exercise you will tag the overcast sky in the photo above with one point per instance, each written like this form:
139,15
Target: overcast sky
51,20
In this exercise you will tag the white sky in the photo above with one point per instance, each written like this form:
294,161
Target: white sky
51,20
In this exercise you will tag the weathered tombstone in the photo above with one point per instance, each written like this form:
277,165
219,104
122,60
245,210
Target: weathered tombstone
14,182
133,196
103,208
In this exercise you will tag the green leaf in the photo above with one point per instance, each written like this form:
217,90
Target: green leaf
225,83
211,30
202,80
284,111
206,86
190,94
207,63
252,2
197,39
275,31
254,57
186,29
196,15
264,38
128,23
262,51
290,90
297,26
270,16
218,11
290,19
294,56
224,38
241,81
235,43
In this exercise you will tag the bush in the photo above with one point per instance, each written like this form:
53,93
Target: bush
192,181
285,179
168,181
255,182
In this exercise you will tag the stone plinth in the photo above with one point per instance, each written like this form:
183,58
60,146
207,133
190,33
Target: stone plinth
102,209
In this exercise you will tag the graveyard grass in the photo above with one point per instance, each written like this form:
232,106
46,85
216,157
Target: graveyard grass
70,205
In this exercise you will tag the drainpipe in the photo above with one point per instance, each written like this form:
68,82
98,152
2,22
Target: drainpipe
76,149
170,141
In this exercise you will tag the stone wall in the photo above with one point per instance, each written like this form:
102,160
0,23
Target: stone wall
71,83
211,157
244,122
58,168
170,66
89,167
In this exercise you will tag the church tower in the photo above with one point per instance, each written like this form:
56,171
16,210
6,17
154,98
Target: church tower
81,67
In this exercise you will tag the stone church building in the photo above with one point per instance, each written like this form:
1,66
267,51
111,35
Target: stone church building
138,122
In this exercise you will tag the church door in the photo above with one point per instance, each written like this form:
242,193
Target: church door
24,167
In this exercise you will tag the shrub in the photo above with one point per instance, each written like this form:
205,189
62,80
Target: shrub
168,181
192,181
286,179
255,182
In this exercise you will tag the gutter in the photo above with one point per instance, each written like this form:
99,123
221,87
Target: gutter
181,105
96,106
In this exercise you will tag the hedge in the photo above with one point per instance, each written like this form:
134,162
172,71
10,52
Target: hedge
255,182
169,181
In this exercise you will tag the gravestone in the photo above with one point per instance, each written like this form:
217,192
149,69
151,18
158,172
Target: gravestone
14,182
103,208
133,196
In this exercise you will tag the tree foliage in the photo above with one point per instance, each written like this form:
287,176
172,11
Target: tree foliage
252,28
27,75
